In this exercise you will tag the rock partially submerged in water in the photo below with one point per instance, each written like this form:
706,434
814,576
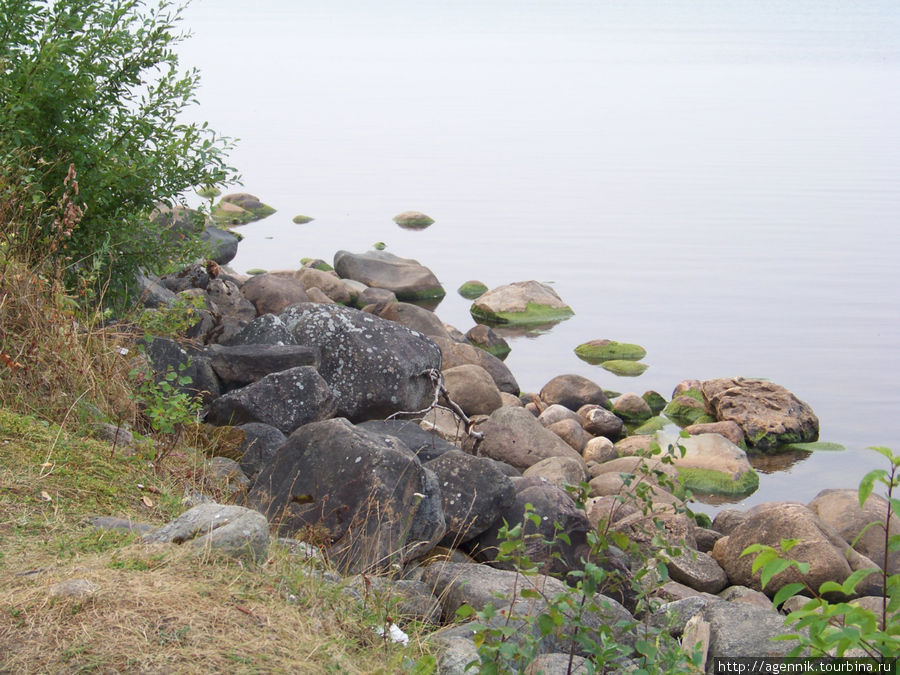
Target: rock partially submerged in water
520,303
767,413
413,220
301,219
712,464
407,278
472,289
598,351
239,209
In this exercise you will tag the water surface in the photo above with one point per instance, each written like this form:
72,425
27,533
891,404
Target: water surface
715,181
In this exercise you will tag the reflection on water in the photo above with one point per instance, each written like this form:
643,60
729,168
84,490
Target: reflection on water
778,461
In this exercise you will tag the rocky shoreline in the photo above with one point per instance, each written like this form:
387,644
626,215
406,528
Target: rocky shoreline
401,446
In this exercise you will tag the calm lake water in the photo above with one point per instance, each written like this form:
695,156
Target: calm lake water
717,182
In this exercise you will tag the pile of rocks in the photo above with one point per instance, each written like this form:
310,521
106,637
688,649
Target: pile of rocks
330,377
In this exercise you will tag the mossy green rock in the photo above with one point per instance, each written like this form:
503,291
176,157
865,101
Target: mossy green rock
711,464
209,192
685,409
472,289
624,368
598,351
521,303
706,481
316,264
256,270
414,220
302,220
651,426
240,209
379,246
655,400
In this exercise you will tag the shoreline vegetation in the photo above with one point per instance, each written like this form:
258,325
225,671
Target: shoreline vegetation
305,470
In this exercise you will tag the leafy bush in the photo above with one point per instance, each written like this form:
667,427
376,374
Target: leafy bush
95,84
825,628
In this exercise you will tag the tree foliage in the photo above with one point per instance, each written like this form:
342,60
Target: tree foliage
97,84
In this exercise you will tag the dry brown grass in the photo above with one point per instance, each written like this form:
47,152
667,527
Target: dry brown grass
156,609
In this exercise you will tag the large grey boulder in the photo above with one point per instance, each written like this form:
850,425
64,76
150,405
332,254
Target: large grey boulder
243,364
222,243
767,413
830,558
474,493
513,435
425,444
478,586
168,356
368,493
407,278
841,510
459,353
233,530
229,301
374,367
285,400
267,329
261,442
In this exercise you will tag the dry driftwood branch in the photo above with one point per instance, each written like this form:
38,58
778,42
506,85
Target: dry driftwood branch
437,379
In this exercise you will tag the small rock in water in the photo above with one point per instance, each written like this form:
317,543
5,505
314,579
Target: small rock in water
301,219
598,351
414,220
472,289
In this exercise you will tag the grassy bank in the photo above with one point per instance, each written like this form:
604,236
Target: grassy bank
159,608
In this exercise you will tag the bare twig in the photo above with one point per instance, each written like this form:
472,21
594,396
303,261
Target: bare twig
437,379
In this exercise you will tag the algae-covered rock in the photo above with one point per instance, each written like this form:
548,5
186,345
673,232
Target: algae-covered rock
520,303
655,400
413,220
632,408
472,289
652,425
240,209
253,271
485,338
711,464
624,368
317,264
688,407
302,220
598,351
209,192
768,414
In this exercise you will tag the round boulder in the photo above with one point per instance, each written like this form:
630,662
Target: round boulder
520,303
573,392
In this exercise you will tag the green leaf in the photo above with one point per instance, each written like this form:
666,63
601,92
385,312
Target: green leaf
867,484
785,592
770,570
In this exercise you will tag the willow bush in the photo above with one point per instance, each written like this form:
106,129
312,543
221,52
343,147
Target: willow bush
96,85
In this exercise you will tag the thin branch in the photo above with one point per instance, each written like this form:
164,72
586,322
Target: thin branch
437,379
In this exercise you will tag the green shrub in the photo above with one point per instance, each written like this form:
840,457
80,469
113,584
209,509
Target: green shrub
508,639
96,84
824,628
